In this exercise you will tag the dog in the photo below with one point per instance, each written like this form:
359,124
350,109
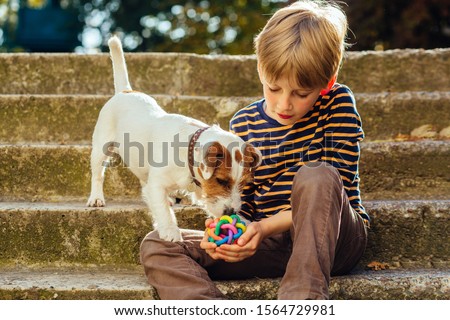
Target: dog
167,152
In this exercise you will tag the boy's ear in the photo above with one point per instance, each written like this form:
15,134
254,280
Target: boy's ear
329,85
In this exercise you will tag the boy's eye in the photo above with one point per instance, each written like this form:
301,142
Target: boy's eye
302,95
273,89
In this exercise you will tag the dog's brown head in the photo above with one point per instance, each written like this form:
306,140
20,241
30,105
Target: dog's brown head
226,166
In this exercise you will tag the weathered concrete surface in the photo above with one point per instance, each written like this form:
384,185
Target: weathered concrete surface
131,284
409,233
166,73
361,285
405,170
388,170
190,74
397,70
67,233
403,233
74,284
401,95
395,115
49,119
55,171
393,285
70,119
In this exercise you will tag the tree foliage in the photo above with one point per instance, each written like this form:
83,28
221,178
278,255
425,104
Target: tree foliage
207,26
390,24
200,26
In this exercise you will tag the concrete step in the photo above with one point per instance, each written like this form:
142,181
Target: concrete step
389,170
220,75
131,284
406,234
405,170
70,119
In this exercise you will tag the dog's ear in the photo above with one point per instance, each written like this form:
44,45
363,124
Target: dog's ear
213,155
252,157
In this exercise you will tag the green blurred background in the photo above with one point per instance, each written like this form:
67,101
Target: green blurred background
206,26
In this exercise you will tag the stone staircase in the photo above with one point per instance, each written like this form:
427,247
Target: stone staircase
53,247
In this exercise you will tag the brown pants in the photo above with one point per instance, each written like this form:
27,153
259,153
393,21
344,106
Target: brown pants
327,238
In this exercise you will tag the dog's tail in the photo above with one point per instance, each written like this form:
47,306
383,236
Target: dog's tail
121,82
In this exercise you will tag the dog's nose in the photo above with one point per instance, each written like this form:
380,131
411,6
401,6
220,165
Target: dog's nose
228,211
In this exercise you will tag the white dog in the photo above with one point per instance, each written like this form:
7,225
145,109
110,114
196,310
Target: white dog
167,152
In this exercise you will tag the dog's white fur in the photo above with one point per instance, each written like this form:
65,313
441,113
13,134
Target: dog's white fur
135,117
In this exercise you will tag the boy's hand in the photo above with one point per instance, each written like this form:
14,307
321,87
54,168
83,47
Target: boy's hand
209,247
245,247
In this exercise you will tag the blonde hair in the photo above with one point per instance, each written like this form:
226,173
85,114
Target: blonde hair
305,42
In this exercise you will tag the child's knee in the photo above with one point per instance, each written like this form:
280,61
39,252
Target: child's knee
313,173
151,244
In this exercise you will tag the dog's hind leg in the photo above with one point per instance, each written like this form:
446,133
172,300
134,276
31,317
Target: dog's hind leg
99,162
164,220
103,147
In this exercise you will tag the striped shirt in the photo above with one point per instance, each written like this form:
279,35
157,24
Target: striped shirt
330,132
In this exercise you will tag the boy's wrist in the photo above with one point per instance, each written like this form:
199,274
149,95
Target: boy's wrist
264,227
276,224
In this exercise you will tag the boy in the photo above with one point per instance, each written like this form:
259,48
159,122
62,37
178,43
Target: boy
308,222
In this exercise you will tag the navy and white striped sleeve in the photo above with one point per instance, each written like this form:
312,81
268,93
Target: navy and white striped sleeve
343,132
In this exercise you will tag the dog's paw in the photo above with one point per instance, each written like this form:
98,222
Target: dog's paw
96,202
172,234
171,201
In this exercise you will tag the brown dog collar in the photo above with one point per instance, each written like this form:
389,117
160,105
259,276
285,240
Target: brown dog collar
192,142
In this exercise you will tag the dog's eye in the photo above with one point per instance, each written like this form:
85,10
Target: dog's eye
222,182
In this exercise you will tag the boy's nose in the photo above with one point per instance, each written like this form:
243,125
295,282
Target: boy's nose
284,104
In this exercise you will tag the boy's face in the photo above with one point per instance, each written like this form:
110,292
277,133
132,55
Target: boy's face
287,104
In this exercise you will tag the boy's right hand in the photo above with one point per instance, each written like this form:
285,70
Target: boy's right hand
209,247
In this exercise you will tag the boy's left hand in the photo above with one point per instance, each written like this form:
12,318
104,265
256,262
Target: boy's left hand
245,246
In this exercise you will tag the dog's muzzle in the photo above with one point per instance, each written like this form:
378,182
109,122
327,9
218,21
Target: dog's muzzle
228,211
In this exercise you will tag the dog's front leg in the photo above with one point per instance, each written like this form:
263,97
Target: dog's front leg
164,220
